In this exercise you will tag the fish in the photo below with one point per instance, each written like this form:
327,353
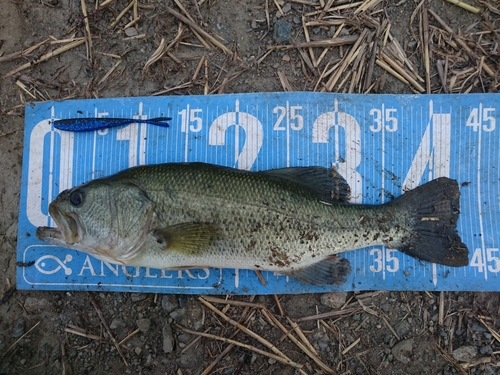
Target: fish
84,124
294,221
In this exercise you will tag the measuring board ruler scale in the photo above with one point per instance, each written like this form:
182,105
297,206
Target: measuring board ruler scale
382,144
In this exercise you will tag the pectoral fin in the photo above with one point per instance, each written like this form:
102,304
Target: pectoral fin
187,238
330,271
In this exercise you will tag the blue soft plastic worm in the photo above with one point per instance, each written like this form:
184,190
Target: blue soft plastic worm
89,123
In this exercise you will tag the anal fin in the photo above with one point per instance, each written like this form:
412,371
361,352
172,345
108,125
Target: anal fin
330,271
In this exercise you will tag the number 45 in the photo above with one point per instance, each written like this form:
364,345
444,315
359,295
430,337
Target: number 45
491,263
482,116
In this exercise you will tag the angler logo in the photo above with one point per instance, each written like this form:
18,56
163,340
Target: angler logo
61,270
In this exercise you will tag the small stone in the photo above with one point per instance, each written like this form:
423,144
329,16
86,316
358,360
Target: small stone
34,304
478,328
465,353
177,314
143,325
282,31
286,8
334,300
18,329
286,58
297,20
131,31
135,297
183,300
403,328
402,350
137,350
184,338
23,361
254,24
316,30
169,302
486,350
344,32
168,339
322,345
271,361
116,323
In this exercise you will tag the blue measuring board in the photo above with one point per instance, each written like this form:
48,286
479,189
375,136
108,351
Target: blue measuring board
382,144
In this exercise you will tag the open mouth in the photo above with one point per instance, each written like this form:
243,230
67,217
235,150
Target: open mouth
68,228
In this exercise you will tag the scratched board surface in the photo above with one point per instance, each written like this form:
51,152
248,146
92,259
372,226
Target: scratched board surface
382,144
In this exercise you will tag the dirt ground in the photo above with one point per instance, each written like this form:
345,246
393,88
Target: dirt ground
368,333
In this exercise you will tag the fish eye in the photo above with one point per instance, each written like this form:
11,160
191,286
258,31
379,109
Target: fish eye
76,198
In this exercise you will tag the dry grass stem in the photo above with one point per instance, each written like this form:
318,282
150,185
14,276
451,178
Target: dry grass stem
404,73
450,359
234,302
386,67
243,328
492,331
249,347
302,345
330,314
205,89
20,338
301,335
23,87
284,83
346,350
465,6
140,36
25,53
426,49
122,13
103,321
199,30
87,30
178,87
278,304
257,272
198,68
441,309
45,57
346,61
129,336
223,84
106,2
279,7
81,332
461,42
350,39
181,7
110,71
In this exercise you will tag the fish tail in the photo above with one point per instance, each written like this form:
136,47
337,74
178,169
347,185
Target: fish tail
434,208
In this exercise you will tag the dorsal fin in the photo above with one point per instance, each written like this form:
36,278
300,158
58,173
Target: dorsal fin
328,184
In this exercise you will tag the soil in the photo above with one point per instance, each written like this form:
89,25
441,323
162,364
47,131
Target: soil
374,333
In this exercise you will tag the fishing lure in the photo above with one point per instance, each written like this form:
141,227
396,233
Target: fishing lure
89,123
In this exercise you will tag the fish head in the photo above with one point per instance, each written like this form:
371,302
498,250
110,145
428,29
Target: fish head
106,219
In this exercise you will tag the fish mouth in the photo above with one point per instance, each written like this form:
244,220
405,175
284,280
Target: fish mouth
68,231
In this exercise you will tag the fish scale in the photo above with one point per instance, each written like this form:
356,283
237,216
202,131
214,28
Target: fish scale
192,215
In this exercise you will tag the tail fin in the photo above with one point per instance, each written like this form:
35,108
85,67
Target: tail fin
434,237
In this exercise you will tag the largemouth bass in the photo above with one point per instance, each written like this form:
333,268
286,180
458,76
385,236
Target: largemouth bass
292,220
